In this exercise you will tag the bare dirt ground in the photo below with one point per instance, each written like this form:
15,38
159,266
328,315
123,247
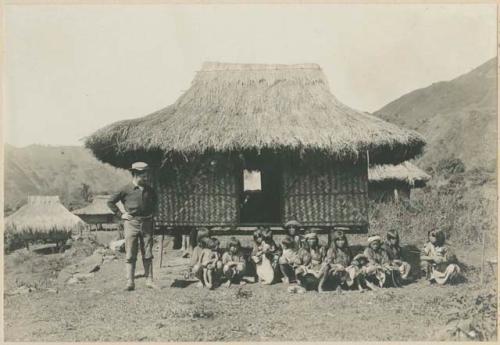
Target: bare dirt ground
97,309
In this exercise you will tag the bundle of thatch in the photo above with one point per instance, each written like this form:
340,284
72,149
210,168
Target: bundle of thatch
238,107
43,218
405,172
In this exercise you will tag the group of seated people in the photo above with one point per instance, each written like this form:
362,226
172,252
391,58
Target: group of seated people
305,265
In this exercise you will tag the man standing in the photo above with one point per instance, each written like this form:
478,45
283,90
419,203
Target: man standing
139,201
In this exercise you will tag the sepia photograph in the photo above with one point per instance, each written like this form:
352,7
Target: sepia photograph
250,172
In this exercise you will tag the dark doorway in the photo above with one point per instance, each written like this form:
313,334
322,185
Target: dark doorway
260,189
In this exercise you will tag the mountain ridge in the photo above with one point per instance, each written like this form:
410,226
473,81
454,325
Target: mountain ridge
457,117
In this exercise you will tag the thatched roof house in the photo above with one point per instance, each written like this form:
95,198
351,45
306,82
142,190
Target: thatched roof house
256,113
392,182
43,215
98,211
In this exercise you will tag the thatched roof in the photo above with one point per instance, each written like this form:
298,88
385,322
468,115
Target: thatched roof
98,207
405,172
236,107
43,214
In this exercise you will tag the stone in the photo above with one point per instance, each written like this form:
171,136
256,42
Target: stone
83,276
117,246
72,281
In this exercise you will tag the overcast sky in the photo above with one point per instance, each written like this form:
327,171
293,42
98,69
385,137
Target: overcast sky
72,69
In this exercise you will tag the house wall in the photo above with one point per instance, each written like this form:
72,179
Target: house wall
328,195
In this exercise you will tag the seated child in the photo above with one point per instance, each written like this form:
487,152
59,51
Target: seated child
338,258
195,266
265,255
379,270
234,264
357,272
211,263
311,270
438,261
292,229
288,260
273,251
393,249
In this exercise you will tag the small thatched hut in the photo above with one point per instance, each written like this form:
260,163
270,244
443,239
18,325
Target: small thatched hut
258,144
97,213
43,218
394,182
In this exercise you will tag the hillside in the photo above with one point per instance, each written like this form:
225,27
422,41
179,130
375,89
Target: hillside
56,170
457,117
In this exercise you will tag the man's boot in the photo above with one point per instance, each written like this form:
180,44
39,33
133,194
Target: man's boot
130,267
148,273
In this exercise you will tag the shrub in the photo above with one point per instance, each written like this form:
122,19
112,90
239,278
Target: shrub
450,166
463,214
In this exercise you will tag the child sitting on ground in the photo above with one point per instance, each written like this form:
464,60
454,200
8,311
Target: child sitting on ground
357,272
292,229
380,271
195,265
212,264
393,249
265,255
234,264
311,270
439,263
288,260
338,258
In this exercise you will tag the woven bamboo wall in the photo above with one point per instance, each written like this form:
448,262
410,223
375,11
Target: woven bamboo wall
199,197
328,195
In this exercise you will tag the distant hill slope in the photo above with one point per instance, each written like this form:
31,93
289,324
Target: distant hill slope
457,117
56,170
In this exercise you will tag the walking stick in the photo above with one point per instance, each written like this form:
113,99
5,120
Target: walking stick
482,259
161,248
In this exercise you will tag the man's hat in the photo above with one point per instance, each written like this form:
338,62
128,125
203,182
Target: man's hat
292,223
140,166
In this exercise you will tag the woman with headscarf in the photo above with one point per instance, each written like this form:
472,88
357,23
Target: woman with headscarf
439,263
393,250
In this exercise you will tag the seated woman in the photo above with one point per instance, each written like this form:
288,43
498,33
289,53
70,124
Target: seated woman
380,270
338,258
311,270
439,263
234,263
393,250
293,229
211,263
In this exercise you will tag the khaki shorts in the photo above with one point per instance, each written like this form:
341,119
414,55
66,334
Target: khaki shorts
138,232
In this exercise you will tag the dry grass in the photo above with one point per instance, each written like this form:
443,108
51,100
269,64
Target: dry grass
98,206
405,172
231,107
43,214
462,212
